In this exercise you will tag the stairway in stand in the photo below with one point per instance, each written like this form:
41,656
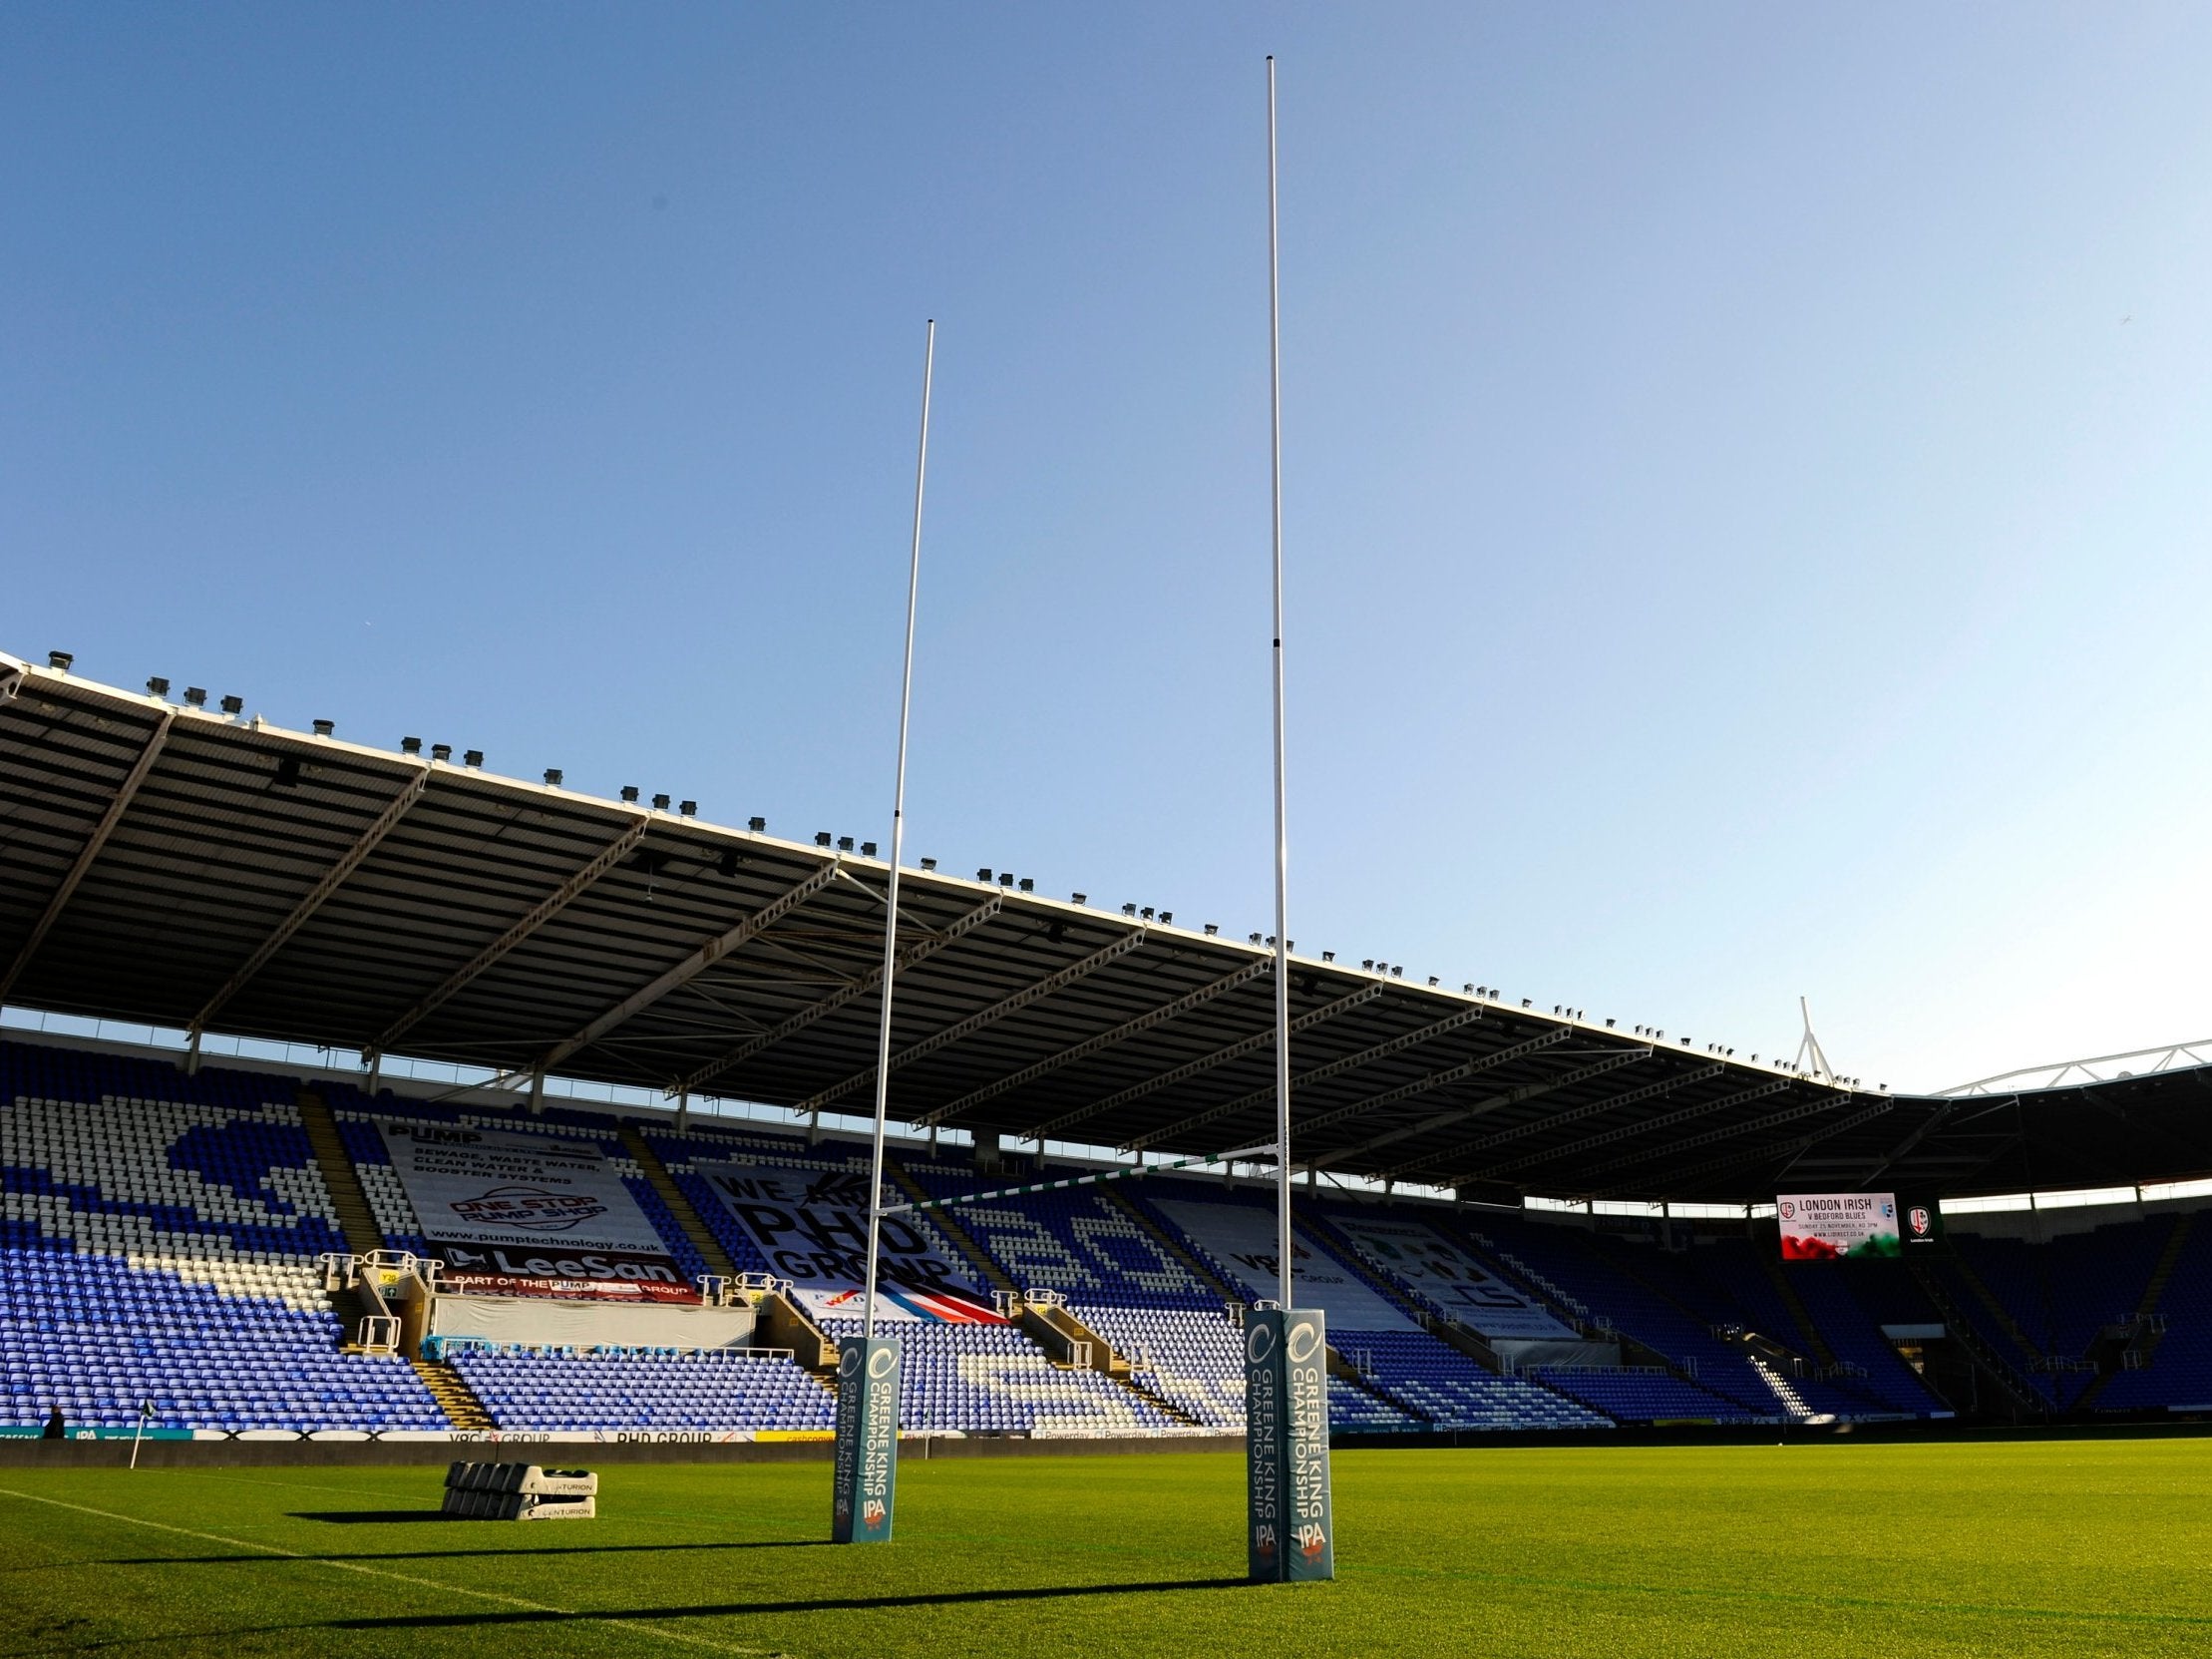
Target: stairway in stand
454,1396
356,1221
664,1185
944,1222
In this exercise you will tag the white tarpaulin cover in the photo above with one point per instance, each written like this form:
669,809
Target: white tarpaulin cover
1450,1280
1242,1238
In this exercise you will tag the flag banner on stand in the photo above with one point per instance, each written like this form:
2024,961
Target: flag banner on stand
530,1215
1820,1226
1450,1280
1290,1532
864,1460
811,1226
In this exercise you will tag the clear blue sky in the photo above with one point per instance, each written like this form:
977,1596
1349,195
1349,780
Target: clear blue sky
1748,488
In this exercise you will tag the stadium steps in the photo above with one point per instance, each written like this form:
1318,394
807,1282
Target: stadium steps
944,1221
1174,1246
2025,1397
2155,1291
356,1221
664,1187
1160,1400
454,1396
1997,1309
1771,1262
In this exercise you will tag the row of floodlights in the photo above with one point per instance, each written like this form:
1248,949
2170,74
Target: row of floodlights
288,776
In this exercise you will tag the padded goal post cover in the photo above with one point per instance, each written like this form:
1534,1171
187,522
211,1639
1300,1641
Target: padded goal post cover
1290,1532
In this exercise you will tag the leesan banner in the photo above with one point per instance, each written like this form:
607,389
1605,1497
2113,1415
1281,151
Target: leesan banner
1449,1279
530,1215
1821,1226
812,1226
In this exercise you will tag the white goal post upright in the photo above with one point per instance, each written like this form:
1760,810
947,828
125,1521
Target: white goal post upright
866,1462
1290,1531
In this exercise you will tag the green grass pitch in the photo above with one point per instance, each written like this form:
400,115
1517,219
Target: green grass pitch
2006,1549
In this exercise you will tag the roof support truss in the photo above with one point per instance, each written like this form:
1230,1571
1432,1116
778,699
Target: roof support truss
332,879
698,961
1320,1073
1204,1063
1788,1152
909,955
1509,1097
976,1022
539,914
1628,1131
1423,1085
1104,1039
1575,1114
91,849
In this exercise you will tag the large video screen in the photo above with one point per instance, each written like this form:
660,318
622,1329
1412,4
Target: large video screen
1822,1226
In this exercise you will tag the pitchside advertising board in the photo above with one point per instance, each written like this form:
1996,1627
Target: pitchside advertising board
530,1215
1823,1226
1451,1279
812,1226
1289,1532
1242,1238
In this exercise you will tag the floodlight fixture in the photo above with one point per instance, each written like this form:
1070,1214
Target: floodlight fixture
844,843
443,751
756,825
1027,884
156,687
323,728
233,706
553,777
929,863
469,757
196,697
1212,928
410,745
59,660
867,849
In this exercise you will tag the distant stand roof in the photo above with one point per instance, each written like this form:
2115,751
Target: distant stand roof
183,867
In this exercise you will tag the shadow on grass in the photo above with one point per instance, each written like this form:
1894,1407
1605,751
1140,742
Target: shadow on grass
816,1604
459,1554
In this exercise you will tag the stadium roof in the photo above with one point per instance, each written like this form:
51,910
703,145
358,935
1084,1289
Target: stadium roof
179,866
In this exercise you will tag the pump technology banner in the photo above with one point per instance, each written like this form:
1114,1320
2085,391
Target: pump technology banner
812,1226
529,1215
1449,1279
1242,1238
1820,1226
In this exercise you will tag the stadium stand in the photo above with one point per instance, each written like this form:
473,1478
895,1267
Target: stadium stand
160,1235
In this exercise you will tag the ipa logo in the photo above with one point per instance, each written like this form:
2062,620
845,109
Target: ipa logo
1311,1540
872,1512
1263,1537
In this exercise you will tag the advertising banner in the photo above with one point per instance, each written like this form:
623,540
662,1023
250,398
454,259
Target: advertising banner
812,1226
530,1215
1821,1226
1290,1533
1450,1280
1240,1237
864,1460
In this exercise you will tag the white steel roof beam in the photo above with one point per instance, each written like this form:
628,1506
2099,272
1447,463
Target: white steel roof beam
1648,1127
1204,1063
332,879
1444,1079
1104,1039
698,961
909,955
1574,1114
976,1022
90,851
1789,1151
539,914
1336,1067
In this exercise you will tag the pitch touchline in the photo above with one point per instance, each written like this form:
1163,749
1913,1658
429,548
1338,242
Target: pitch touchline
397,1577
